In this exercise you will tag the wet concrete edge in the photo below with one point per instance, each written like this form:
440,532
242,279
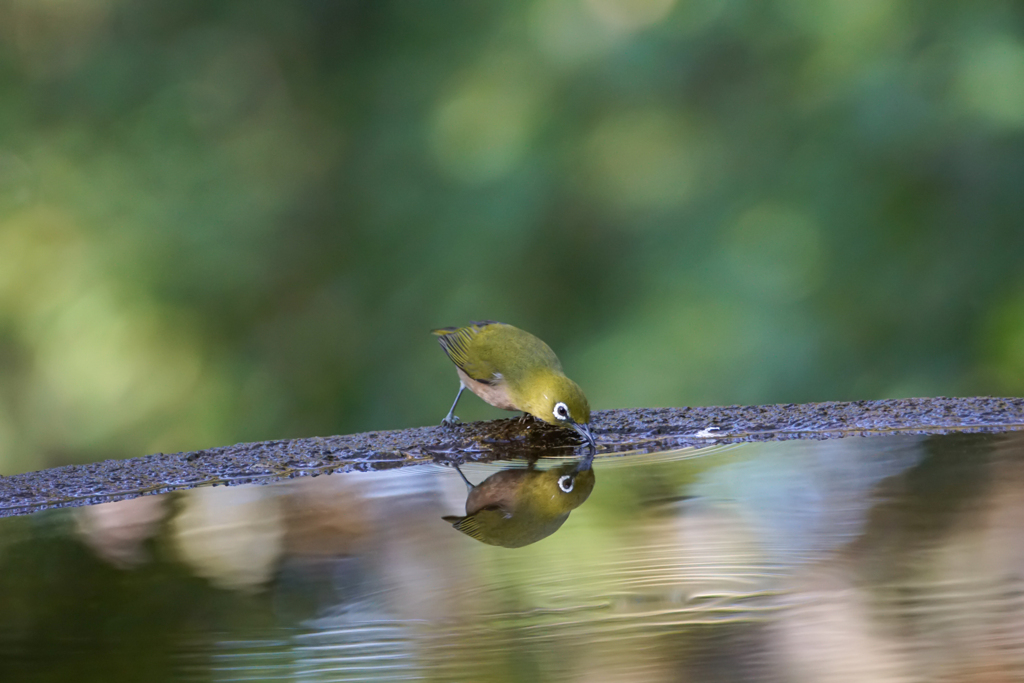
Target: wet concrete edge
645,429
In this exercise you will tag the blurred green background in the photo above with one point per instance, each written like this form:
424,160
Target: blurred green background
227,221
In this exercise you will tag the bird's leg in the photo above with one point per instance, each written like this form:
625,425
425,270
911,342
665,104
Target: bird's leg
451,418
468,485
526,417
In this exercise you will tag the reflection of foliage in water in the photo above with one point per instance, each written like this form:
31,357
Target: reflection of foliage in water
762,562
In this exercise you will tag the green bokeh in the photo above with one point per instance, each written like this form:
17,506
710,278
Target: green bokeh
234,221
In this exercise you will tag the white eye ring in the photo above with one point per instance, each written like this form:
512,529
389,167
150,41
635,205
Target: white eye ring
565,483
561,411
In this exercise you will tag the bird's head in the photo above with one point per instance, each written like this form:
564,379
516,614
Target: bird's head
559,401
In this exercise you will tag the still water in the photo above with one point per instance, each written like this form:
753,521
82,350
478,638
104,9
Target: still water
856,559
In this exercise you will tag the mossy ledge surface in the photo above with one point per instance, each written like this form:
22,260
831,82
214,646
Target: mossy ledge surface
617,431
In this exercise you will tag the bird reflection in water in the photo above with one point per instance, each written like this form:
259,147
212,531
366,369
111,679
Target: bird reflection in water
516,507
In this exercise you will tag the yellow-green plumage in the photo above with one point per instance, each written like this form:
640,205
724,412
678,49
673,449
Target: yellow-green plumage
514,370
513,508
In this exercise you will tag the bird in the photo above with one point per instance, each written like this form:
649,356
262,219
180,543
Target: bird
514,370
517,507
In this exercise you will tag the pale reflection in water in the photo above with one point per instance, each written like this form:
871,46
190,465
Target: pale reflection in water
231,536
859,559
117,532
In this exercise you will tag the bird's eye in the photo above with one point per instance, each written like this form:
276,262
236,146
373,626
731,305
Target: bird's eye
561,411
565,483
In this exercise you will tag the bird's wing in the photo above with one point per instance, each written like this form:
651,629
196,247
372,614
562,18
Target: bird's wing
467,525
457,342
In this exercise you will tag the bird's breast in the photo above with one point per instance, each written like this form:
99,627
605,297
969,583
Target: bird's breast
495,393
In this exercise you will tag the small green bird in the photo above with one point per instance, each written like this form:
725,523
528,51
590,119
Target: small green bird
514,370
517,507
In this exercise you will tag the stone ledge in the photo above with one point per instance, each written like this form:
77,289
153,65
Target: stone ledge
644,429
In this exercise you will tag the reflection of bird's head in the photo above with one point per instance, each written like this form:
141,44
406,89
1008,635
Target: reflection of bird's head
516,507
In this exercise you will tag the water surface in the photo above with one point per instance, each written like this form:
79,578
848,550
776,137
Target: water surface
860,559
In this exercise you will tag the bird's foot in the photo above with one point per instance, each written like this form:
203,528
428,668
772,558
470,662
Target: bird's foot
451,421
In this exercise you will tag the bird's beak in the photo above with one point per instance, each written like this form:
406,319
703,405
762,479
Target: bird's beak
584,431
586,462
